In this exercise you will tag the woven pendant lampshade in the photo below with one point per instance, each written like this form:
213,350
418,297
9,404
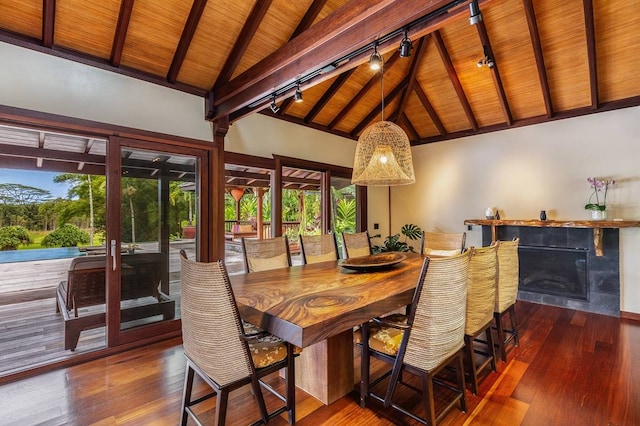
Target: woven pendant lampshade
383,157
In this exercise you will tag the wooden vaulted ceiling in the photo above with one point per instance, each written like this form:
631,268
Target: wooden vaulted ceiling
553,58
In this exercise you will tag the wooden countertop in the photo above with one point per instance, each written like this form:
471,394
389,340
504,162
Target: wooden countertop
555,223
596,225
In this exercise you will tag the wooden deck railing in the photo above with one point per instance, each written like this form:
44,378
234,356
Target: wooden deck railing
287,227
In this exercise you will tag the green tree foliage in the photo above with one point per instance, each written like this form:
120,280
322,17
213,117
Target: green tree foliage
19,204
78,210
67,235
12,236
139,196
345,215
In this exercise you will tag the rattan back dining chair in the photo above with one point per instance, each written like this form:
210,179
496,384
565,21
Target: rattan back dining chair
318,248
506,294
356,244
218,349
481,296
264,255
442,243
428,339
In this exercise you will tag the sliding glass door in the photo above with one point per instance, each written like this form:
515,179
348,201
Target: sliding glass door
156,191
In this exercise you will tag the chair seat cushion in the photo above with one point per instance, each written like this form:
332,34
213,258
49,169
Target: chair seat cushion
267,350
384,339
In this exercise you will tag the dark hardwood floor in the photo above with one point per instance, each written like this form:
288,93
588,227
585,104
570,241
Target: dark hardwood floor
572,368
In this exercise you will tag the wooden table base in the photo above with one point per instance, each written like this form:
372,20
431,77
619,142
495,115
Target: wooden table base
325,369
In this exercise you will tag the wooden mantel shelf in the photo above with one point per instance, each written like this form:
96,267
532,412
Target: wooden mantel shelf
597,226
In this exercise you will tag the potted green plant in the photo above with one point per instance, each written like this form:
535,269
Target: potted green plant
393,242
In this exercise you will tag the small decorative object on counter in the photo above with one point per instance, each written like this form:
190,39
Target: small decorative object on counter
543,215
489,214
497,217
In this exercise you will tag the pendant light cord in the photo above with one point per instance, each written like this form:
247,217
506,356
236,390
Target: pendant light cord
382,89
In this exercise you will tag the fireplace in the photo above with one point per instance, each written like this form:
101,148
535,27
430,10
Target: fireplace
557,271
559,266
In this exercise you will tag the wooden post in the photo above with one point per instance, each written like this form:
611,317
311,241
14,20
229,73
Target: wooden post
260,193
276,199
217,188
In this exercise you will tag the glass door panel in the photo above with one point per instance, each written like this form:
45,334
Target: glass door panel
158,199
343,207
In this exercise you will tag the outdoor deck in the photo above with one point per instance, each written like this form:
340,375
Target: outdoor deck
32,332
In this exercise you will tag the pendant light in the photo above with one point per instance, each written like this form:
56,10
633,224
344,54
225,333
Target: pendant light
383,154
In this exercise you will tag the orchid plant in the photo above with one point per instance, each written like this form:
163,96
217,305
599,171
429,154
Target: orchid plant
598,187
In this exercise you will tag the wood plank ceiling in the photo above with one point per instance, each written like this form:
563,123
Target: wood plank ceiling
552,59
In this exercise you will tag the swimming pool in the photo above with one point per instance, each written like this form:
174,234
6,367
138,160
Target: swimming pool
11,256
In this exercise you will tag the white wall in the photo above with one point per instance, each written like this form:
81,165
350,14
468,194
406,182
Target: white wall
525,170
40,82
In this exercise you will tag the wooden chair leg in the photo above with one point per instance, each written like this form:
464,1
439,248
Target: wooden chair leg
491,348
498,318
290,376
364,366
257,394
186,394
221,406
471,359
514,328
429,399
461,384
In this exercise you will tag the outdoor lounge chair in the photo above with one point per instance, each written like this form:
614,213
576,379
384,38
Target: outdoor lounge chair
85,287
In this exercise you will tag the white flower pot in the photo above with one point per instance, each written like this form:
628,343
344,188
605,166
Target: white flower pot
598,214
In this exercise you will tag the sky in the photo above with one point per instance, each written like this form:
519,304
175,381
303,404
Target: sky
42,180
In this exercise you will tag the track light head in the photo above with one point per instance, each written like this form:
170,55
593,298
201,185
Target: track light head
487,61
375,61
405,46
475,16
274,108
297,96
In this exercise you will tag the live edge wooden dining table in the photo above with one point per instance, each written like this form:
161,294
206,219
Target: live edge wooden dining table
316,307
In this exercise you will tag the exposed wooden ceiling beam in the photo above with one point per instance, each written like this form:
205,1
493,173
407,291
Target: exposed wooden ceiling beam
416,32
591,51
453,76
249,29
350,27
412,130
561,115
48,22
537,51
303,25
429,108
495,73
326,97
121,32
373,81
197,8
416,60
375,111
308,18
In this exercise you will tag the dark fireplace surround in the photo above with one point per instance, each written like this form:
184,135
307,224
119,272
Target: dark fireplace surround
559,266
